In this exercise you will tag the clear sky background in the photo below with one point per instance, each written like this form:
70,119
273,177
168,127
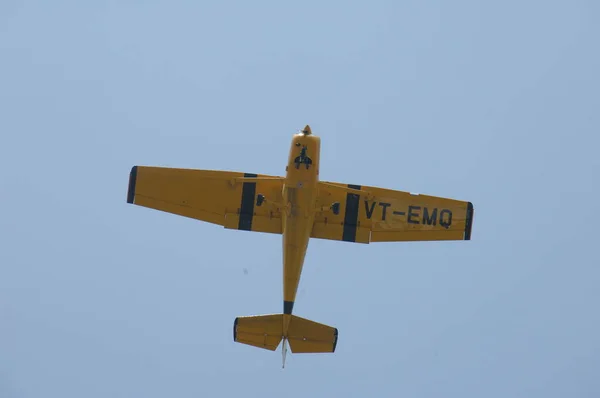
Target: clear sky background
492,102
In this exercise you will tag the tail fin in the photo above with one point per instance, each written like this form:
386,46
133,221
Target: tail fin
266,331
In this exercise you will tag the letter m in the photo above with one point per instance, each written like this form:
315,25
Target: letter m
429,219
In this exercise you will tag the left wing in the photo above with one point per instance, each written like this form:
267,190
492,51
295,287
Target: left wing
371,214
220,197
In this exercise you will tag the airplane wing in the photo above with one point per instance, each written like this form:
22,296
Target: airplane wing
371,214
219,197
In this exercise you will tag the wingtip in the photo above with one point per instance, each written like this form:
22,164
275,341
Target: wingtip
235,329
335,339
469,221
132,181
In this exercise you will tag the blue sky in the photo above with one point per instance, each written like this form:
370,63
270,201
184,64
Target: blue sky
492,102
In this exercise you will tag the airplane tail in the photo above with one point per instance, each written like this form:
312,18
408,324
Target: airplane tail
267,331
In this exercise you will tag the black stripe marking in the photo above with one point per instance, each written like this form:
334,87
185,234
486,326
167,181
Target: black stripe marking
469,221
235,329
247,206
335,339
288,306
132,181
351,216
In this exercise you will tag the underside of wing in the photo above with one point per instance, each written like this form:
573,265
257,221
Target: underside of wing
219,197
370,214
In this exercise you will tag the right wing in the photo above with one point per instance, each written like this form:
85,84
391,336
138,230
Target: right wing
371,214
220,197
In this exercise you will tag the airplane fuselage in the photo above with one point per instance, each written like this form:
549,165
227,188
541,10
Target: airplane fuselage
300,196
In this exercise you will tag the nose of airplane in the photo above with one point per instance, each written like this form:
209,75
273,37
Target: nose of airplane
307,130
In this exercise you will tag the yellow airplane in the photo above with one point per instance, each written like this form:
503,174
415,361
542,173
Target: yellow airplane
299,207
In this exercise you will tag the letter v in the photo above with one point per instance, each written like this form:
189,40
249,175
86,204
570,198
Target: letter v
369,211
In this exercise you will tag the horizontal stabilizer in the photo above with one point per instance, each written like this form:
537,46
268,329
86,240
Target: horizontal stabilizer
307,336
266,331
262,331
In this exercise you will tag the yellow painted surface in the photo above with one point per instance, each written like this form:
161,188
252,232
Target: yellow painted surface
393,215
303,335
299,207
300,193
207,195
262,331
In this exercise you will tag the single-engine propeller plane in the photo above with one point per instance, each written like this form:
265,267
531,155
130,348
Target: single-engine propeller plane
298,206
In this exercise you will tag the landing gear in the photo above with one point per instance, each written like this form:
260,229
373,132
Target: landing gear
260,199
336,208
